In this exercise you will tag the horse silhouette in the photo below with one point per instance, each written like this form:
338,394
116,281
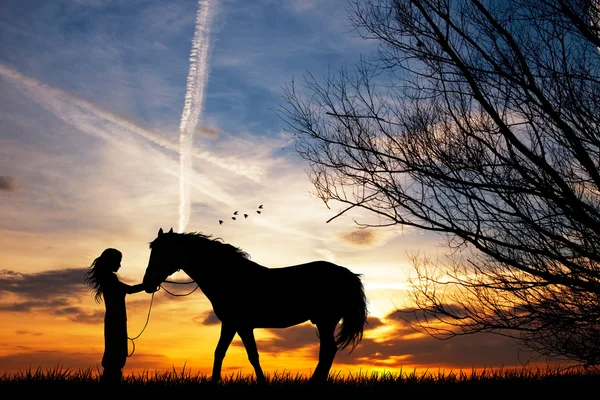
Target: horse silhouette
246,295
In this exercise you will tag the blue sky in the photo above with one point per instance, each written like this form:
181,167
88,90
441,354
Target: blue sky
91,96
93,93
132,57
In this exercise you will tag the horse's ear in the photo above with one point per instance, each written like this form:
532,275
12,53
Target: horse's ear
160,232
171,231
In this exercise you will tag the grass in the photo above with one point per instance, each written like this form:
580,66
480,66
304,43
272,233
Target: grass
62,383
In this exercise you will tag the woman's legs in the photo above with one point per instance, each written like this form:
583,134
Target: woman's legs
115,350
111,375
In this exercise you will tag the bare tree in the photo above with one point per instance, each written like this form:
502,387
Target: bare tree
479,120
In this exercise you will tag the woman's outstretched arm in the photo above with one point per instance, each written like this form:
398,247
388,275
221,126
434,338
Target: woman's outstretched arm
131,289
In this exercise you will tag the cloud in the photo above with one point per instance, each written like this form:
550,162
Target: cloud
53,292
78,314
367,238
52,358
97,204
288,339
109,126
26,360
207,318
45,285
58,293
373,323
26,332
29,305
361,237
7,184
397,344
405,347
207,132
298,336
416,315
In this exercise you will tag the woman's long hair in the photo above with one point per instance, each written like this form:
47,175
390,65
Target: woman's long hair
100,270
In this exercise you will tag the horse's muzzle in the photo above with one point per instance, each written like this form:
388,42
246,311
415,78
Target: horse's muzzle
149,290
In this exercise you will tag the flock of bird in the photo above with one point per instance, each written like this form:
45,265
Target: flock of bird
236,213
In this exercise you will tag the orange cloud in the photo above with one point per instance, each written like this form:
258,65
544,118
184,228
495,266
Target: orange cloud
53,358
399,346
26,332
207,318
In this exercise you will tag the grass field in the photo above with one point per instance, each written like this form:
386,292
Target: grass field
62,383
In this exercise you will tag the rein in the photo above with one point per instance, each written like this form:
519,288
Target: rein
180,283
150,309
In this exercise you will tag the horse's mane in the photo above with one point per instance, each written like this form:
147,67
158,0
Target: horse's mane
217,243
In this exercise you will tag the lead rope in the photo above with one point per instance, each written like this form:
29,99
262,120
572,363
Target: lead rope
144,328
150,309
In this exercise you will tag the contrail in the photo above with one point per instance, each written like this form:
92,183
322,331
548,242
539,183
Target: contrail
45,95
192,106
50,98
100,123
94,121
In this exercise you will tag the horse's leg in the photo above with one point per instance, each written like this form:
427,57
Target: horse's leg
227,334
247,336
327,351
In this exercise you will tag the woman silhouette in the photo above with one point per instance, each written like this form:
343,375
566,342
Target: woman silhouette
106,285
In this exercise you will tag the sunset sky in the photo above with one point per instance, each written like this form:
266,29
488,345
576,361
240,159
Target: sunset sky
91,99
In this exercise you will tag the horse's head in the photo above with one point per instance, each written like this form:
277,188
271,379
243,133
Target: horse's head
166,257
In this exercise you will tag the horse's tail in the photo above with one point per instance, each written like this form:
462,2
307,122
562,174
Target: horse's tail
354,314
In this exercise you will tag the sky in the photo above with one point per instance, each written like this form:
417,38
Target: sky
92,94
